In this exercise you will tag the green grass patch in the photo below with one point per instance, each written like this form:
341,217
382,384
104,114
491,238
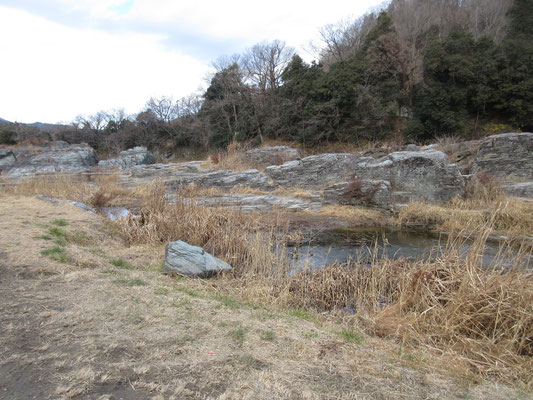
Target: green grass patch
311,335
129,282
57,232
238,335
110,271
161,291
350,336
120,263
267,335
308,316
80,238
190,292
228,301
60,242
59,222
56,254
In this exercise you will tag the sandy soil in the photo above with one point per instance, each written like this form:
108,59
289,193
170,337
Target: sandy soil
97,320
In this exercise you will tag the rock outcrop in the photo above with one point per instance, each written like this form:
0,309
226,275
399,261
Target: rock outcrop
417,176
183,259
274,155
224,179
7,159
313,171
129,158
360,192
507,156
54,158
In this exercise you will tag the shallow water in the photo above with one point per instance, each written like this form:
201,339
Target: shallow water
114,213
362,244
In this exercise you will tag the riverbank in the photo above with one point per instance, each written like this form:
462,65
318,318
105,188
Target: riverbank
97,318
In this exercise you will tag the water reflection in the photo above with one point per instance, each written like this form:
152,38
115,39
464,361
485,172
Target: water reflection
362,244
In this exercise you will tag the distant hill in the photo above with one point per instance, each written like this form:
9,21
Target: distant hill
39,125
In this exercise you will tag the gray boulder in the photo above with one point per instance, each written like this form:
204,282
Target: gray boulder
418,176
524,189
129,158
508,156
7,159
362,192
183,259
63,158
274,155
314,171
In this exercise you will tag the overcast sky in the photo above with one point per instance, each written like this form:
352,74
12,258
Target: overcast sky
62,58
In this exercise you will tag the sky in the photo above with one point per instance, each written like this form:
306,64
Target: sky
63,58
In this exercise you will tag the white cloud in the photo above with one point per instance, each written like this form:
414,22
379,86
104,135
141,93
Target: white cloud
51,72
293,21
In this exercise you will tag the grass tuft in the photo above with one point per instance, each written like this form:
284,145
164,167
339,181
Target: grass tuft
120,263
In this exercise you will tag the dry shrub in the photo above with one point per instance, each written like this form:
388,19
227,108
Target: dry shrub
227,234
232,159
485,189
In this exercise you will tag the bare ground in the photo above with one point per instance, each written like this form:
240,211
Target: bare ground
77,326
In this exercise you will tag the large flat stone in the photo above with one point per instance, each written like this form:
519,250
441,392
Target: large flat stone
183,259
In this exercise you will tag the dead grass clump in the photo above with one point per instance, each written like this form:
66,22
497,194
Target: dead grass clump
58,186
357,215
232,159
484,316
510,217
484,189
452,305
227,234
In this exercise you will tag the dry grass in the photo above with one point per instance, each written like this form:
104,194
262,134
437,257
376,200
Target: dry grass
358,215
510,217
306,194
485,205
453,305
231,159
80,330
94,190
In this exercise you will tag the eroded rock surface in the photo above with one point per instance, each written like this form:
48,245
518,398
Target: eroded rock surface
508,156
7,159
225,179
361,192
313,171
183,259
129,158
418,176
54,158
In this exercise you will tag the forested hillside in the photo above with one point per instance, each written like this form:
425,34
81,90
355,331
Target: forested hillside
415,69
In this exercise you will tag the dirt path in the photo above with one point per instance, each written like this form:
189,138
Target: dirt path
95,320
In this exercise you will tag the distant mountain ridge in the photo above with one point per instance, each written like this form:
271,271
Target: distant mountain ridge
40,125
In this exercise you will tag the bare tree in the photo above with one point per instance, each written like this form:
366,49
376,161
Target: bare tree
264,63
163,108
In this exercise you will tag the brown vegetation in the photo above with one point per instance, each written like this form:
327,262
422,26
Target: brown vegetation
452,304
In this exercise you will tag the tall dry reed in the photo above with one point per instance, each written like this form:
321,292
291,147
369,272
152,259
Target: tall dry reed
449,303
